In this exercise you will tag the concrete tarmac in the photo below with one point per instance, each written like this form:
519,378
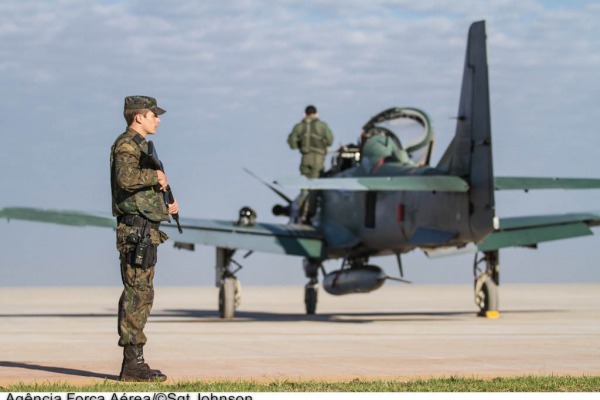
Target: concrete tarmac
399,332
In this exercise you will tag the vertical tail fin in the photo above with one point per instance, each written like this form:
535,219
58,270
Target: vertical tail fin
470,153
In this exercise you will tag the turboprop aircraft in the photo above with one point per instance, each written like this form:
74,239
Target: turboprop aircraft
382,197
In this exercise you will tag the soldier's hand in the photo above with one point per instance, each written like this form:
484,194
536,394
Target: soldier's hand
174,208
162,180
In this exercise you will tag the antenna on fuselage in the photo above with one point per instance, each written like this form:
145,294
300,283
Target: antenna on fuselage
283,196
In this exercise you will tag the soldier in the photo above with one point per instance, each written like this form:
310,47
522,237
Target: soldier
312,137
139,206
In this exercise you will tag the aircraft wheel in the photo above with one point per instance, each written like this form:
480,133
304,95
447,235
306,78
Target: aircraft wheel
227,298
238,294
310,299
487,297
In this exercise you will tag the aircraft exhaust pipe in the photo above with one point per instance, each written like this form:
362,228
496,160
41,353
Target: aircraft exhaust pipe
281,210
354,280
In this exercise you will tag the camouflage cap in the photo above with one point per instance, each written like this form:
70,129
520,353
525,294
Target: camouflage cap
143,102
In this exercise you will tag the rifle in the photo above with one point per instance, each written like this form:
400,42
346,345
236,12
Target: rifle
168,194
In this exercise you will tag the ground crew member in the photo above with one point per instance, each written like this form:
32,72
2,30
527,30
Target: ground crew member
138,204
312,137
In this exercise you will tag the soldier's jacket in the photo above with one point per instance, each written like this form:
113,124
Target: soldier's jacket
134,181
311,135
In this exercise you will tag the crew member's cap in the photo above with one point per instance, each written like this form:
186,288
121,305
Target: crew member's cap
143,102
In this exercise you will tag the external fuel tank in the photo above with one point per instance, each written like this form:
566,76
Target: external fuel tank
354,280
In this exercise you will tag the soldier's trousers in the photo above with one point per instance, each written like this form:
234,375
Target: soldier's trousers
135,302
312,165
138,290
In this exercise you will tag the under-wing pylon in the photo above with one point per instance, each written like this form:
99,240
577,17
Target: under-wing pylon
380,197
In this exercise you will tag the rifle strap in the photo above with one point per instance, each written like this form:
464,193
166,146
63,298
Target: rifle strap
138,139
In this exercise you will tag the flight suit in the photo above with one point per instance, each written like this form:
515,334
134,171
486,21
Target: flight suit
312,137
135,192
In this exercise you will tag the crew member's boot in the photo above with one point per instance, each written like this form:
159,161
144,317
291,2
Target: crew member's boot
135,369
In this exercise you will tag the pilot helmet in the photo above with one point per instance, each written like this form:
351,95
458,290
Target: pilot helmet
247,217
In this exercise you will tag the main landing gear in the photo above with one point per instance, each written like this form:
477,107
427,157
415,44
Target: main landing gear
486,284
230,289
365,279
311,269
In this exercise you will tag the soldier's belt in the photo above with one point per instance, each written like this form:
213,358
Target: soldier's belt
136,220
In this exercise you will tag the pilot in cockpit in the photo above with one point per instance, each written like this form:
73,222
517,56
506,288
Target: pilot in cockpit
377,147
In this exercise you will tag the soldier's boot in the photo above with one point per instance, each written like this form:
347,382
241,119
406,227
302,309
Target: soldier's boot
135,369
141,349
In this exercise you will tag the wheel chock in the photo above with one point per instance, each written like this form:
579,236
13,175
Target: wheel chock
492,314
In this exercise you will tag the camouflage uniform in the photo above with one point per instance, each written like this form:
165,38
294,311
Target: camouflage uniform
312,136
135,191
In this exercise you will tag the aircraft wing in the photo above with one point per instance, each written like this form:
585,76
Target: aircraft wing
299,240
440,183
529,183
72,218
529,231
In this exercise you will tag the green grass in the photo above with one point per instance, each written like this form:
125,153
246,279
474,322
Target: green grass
453,384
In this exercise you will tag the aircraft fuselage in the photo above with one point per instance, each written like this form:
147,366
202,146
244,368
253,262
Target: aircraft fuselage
358,223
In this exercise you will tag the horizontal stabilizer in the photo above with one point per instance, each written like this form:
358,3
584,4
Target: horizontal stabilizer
528,183
529,231
439,183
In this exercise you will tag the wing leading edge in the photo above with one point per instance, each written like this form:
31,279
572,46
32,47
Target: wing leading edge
299,240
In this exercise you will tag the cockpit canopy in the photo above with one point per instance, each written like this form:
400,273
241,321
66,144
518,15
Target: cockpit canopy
403,134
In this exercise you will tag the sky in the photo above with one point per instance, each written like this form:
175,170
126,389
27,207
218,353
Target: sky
235,76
